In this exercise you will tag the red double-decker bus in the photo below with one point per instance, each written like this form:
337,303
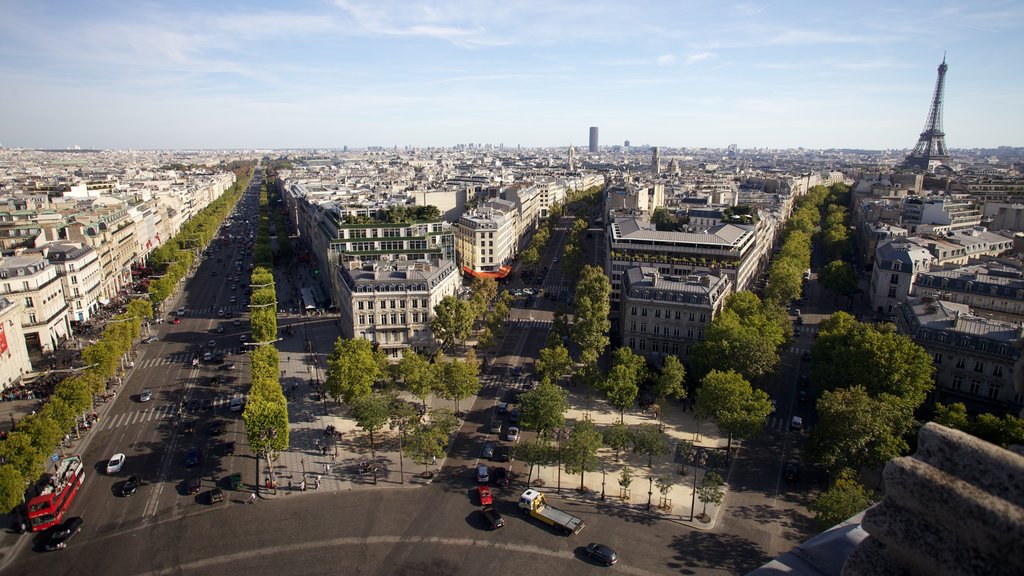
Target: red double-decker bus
48,508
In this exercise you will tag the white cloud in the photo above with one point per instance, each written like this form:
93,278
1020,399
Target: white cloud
699,57
666,59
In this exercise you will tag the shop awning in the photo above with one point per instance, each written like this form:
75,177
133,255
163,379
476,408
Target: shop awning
502,272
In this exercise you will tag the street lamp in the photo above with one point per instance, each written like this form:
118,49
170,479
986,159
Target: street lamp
650,491
603,472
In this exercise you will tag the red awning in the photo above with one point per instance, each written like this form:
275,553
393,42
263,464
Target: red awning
501,273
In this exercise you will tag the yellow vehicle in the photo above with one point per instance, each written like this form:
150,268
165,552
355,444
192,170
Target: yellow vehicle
533,502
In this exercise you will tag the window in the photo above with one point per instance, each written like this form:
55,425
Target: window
692,316
360,306
31,317
702,319
369,305
632,310
675,347
643,326
643,311
657,314
643,344
632,326
362,319
894,279
979,366
960,363
975,386
689,333
657,330
997,371
654,346
937,357
394,318
632,343
993,391
958,382
892,292
28,302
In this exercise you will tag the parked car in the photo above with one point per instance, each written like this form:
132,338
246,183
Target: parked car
513,416
485,495
60,537
188,426
602,553
796,423
192,457
483,475
802,396
216,496
181,311
488,451
496,426
176,321
115,463
228,366
235,405
513,434
193,484
792,472
493,518
503,454
501,476
502,407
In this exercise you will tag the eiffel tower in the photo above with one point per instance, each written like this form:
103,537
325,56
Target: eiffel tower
931,146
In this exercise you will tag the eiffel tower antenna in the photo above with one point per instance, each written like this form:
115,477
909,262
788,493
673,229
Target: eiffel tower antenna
931,146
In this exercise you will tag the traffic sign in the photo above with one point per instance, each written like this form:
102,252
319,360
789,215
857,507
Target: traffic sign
54,457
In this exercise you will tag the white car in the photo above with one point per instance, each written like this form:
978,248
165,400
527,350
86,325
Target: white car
146,395
797,423
237,321
115,463
181,311
243,338
235,405
513,434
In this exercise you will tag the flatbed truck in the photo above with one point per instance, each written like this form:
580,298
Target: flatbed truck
535,505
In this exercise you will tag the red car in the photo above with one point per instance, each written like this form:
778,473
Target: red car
176,321
485,495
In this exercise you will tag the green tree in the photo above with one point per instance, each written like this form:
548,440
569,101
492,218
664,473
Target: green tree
669,382
591,308
739,409
402,416
415,370
351,370
452,322
952,416
371,413
857,430
458,379
266,427
648,440
535,452
543,408
554,361
743,338
426,444
484,291
579,453
1004,431
12,487
838,277
844,499
710,490
849,353
621,389
617,437
18,451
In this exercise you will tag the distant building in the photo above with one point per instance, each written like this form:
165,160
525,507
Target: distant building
975,358
667,315
991,289
897,264
486,239
31,280
81,275
391,303
13,352
593,140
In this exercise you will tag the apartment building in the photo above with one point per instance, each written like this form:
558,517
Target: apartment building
940,213
16,362
975,358
81,277
666,315
737,251
32,281
109,230
897,264
486,239
991,289
391,303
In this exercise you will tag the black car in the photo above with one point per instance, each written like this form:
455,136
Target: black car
192,457
802,396
216,496
602,553
503,454
216,428
792,472
129,486
193,484
493,518
187,427
501,476
59,538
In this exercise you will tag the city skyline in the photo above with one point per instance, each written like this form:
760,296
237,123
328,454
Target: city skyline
385,73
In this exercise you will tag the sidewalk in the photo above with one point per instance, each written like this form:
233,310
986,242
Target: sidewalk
338,469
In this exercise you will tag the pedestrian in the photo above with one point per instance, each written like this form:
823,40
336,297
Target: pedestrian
302,485
327,469
252,498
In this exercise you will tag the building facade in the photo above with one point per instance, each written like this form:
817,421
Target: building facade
81,277
667,315
32,281
486,239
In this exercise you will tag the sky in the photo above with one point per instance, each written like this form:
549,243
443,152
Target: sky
156,74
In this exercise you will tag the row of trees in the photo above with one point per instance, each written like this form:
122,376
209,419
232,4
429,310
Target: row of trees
266,412
454,319
785,277
744,338
837,276
172,260
263,253
27,448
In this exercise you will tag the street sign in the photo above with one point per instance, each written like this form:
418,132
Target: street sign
54,457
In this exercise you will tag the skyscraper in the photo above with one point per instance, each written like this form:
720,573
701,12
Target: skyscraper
593,139
656,161
572,159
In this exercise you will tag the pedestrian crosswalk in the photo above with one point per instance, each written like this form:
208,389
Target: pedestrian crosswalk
527,323
160,411
182,358
781,423
521,382
236,309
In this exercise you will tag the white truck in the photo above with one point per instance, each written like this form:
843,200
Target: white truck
533,502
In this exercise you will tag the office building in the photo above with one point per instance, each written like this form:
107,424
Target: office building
593,139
